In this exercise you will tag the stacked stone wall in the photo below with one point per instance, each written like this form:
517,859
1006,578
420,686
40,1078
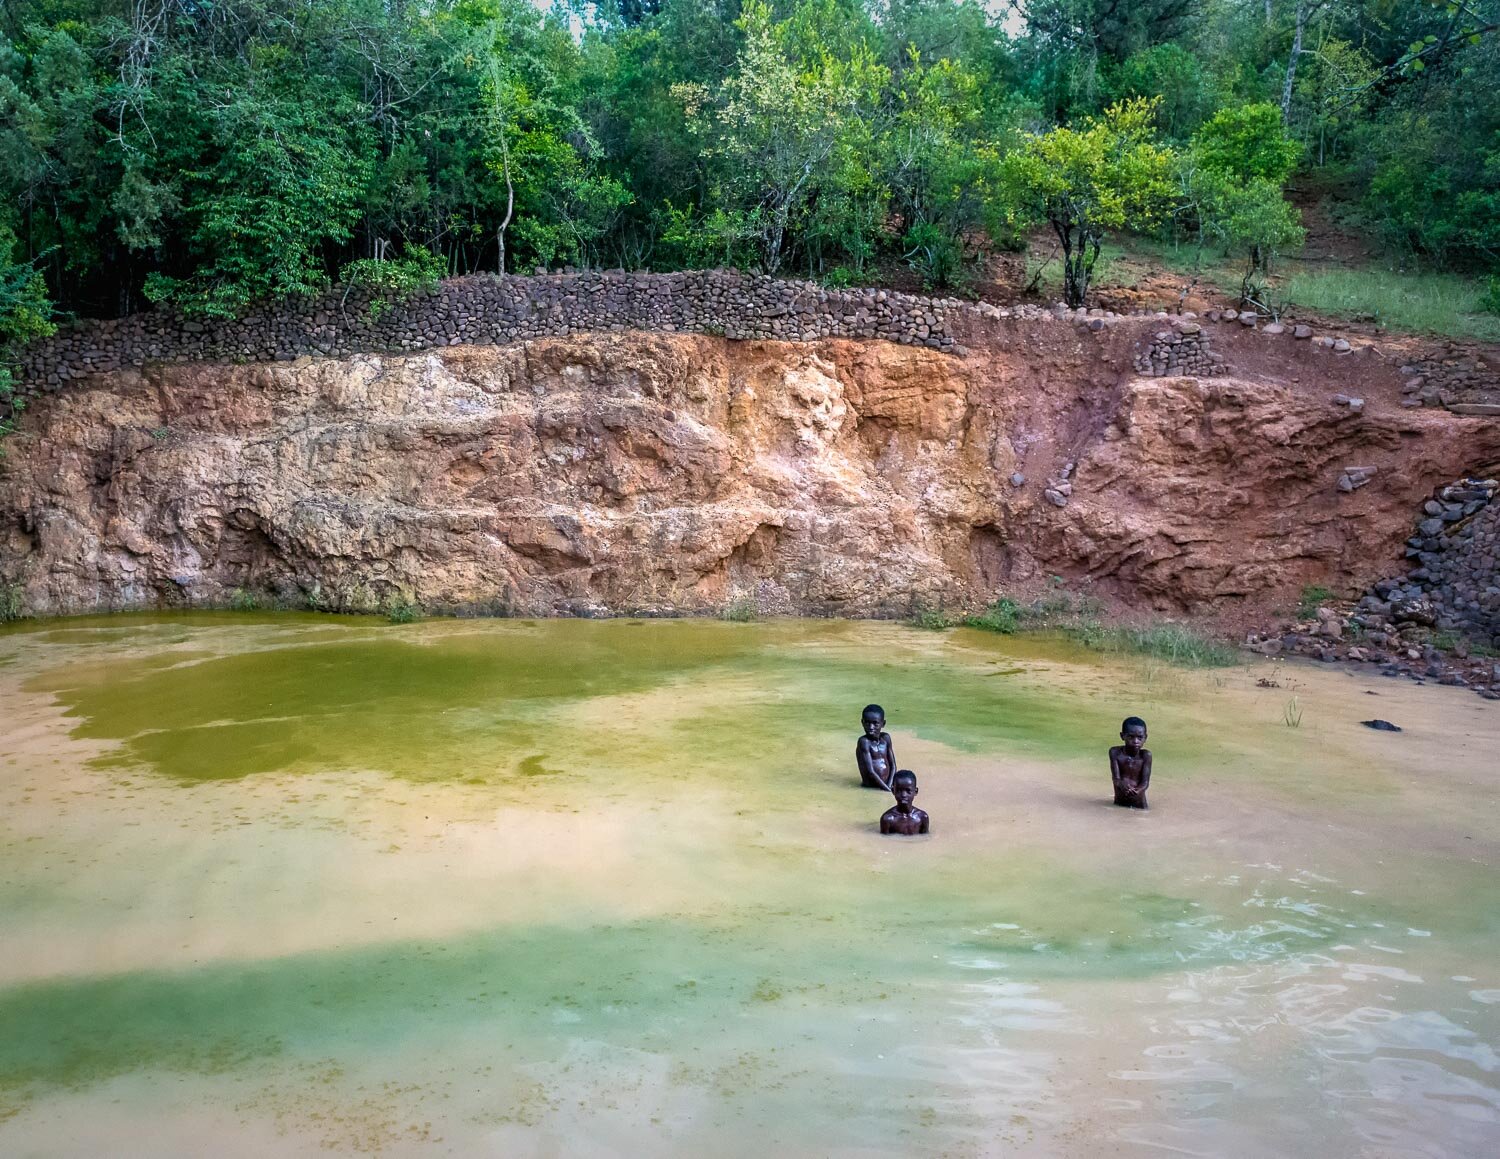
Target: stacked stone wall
486,310
489,310
1182,348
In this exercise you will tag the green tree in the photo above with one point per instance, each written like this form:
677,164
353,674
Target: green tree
942,164
25,314
1111,174
1247,142
780,128
1174,75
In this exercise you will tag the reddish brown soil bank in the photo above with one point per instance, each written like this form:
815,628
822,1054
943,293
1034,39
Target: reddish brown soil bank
637,472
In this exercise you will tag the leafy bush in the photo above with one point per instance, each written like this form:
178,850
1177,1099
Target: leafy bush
243,600
11,607
1003,616
936,254
403,611
932,619
395,279
741,611
1489,301
1111,174
1247,142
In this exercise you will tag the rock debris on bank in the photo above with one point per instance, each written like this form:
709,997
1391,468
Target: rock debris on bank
1452,597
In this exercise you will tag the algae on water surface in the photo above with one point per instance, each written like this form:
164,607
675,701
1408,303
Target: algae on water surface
613,886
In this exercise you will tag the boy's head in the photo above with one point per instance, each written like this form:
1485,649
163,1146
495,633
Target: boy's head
904,787
1133,732
873,719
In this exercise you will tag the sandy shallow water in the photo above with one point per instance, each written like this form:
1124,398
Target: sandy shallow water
292,884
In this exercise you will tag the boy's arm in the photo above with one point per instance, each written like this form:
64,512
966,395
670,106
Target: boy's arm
885,823
923,828
1114,766
1145,770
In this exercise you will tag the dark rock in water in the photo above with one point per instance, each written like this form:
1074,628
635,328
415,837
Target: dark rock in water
1381,725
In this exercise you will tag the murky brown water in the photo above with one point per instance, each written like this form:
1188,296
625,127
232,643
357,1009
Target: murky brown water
285,885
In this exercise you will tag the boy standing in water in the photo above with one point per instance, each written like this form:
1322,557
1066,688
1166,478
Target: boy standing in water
1130,764
903,818
874,753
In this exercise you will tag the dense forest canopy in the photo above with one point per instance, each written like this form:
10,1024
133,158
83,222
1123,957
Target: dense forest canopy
210,153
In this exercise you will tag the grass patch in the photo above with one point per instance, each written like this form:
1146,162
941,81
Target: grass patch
1003,616
403,612
1175,643
1080,618
1291,714
1313,598
1432,303
11,607
741,611
933,619
1133,257
243,600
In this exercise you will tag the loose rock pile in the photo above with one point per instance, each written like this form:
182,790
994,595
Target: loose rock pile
1456,584
1439,622
1183,348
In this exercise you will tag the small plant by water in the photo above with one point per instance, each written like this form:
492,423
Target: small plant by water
11,608
1175,643
933,619
1003,616
1291,714
741,611
244,600
403,612
1080,617
1313,598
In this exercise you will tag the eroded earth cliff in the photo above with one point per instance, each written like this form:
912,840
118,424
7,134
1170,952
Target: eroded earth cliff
637,472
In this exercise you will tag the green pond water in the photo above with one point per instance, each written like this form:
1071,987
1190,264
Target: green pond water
291,884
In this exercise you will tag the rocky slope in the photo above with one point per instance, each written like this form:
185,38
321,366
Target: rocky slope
636,472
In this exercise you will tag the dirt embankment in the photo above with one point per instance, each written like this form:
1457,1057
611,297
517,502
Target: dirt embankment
637,472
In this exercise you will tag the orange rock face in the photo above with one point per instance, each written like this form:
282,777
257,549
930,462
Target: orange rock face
652,473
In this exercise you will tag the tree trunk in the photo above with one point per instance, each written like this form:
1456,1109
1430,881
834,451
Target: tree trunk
510,206
1291,64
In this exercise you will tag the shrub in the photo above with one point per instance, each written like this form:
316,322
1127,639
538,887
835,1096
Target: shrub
933,619
395,279
741,610
243,600
1003,616
11,608
403,612
1489,301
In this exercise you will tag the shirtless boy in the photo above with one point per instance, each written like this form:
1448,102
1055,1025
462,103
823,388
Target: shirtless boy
903,818
1130,764
874,753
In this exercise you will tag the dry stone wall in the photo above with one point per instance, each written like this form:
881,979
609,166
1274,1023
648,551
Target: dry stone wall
485,310
1181,348
1463,378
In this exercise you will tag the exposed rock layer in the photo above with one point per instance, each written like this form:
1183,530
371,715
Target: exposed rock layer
634,472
